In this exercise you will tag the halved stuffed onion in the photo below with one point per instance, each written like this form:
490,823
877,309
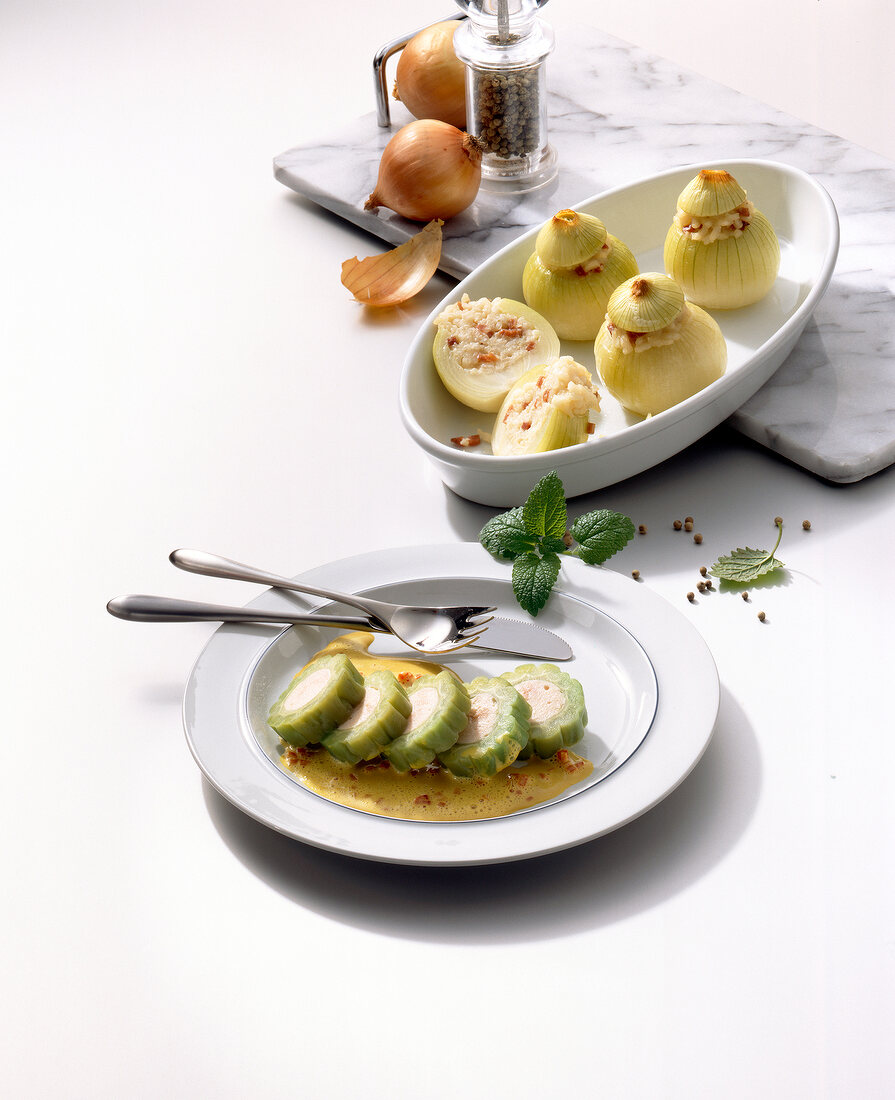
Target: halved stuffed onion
482,347
547,409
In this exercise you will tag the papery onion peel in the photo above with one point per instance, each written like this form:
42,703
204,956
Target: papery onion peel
395,276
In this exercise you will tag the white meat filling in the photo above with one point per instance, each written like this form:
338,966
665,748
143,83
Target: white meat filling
628,342
307,689
564,386
482,337
423,704
715,227
592,265
363,710
545,699
482,718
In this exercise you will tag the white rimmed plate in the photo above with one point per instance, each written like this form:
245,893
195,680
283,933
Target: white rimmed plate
649,680
759,338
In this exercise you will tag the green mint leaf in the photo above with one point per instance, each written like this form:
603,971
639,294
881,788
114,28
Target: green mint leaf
533,580
550,544
601,534
544,512
506,536
745,565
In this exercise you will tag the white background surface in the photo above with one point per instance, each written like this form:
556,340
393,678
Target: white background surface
183,367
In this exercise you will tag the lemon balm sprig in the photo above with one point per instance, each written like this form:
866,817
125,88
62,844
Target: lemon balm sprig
535,536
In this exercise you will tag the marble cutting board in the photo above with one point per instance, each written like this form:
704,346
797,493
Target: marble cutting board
617,113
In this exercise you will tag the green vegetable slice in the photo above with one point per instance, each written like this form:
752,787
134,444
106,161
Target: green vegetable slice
439,710
319,697
558,712
378,718
496,732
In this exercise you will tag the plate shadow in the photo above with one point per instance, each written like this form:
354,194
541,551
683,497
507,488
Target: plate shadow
598,883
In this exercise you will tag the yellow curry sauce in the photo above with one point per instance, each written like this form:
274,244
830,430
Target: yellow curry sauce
432,793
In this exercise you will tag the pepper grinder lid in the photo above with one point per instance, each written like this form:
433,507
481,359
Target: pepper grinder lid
503,33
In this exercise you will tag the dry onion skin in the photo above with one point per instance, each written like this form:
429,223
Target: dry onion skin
655,349
574,268
430,79
395,276
719,248
482,347
429,169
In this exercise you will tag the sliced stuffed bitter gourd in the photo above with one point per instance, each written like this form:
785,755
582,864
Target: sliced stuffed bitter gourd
319,697
440,708
558,713
378,718
495,733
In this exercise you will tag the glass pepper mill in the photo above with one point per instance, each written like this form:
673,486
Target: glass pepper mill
504,46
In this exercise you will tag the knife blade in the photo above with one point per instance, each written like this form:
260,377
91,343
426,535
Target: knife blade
523,639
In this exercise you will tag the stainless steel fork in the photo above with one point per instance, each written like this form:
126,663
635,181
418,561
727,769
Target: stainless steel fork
426,629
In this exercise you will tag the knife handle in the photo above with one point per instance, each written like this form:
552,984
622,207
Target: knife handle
164,609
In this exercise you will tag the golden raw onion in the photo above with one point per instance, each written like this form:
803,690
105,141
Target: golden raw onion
428,170
430,79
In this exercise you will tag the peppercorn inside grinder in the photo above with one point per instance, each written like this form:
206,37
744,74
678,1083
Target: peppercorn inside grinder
504,46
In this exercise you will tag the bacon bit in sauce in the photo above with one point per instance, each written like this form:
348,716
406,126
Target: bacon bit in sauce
525,425
408,677
530,346
511,333
540,382
487,357
452,341
591,428
466,441
422,800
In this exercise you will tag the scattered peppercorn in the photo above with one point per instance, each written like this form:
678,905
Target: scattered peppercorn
697,538
701,586
806,524
635,573
761,616
691,596
688,519
677,525
702,570
642,528
568,540
746,596
708,584
688,524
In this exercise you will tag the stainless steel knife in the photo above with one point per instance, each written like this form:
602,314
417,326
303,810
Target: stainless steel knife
502,635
